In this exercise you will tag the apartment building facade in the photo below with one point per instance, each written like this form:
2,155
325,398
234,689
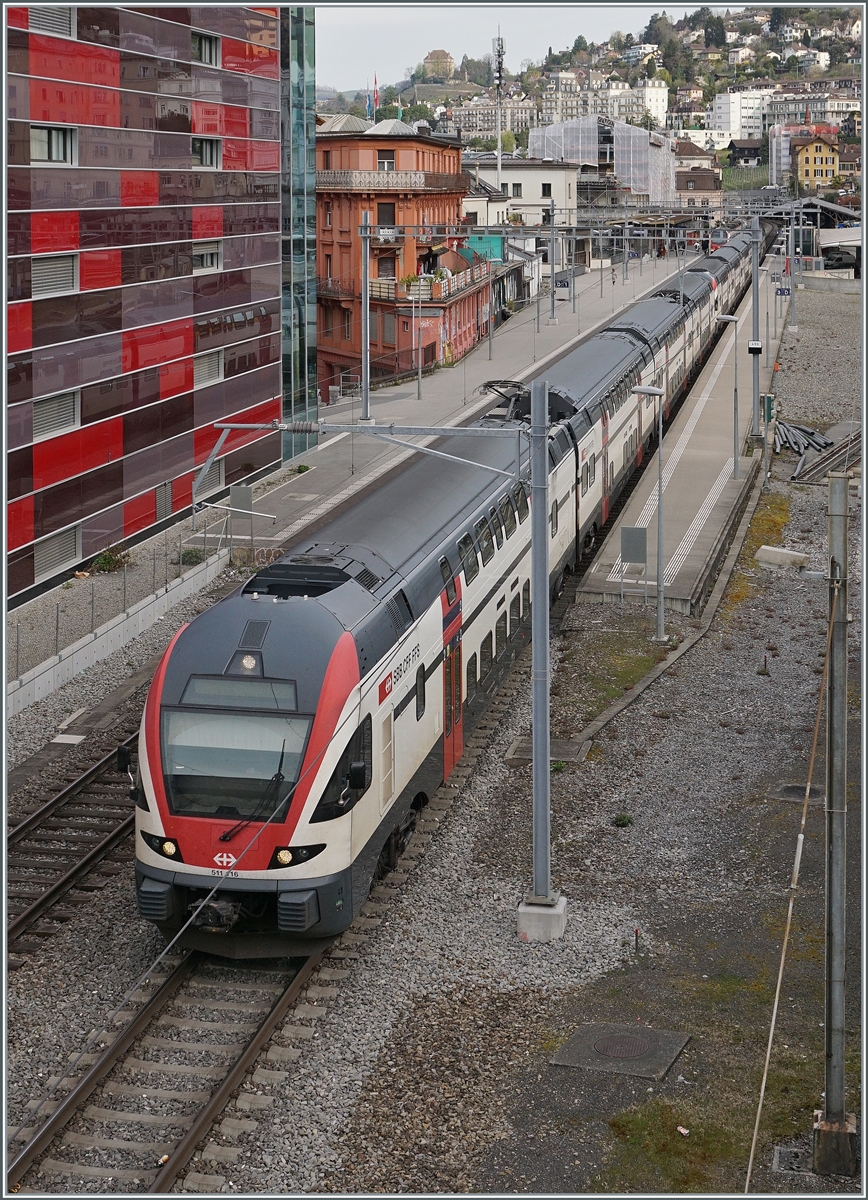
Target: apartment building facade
159,277
427,295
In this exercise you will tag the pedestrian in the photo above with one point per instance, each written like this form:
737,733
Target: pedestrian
614,277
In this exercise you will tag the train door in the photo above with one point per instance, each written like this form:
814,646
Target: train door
387,759
453,728
604,431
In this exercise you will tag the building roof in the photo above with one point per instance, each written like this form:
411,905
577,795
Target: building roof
850,154
746,143
344,123
798,143
703,178
690,149
392,128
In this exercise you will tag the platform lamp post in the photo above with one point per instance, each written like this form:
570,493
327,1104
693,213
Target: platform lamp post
733,320
766,271
648,390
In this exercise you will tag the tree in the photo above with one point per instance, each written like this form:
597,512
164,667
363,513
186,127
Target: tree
629,41
715,32
616,40
658,31
837,54
779,18
579,44
806,38
521,138
663,74
507,141
646,121
389,95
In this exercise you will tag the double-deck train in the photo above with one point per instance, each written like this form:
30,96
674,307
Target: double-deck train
293,731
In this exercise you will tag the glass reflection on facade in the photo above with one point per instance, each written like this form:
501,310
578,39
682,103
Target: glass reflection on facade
298,217
161,276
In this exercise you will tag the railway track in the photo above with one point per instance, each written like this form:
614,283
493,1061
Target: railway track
134,1118
64,850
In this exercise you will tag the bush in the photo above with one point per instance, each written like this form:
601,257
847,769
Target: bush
191,556
302,467
622,820
112,559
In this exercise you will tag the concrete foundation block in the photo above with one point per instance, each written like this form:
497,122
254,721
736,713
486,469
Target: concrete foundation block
197,1181
836,1146
542,922
777,556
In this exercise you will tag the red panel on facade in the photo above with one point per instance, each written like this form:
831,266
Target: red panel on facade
19,334
263,156
16,18
53,231
220,120
140,513
99,269
73,104
176,378
205,437
207,221
234,154
253,59
19,522
140,188
74,62
78,451
182,491
156,344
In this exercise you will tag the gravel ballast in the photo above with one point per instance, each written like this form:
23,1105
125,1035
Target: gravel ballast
418,1071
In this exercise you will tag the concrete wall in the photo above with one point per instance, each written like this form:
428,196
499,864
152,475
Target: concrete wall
828,283
58,670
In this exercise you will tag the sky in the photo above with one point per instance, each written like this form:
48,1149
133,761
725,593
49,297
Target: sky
356,41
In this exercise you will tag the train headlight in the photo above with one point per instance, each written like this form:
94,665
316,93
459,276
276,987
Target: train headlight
292,856
166,847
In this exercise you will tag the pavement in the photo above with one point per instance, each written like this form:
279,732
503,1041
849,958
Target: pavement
343,464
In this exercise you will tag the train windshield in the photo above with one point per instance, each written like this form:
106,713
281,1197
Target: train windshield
233,765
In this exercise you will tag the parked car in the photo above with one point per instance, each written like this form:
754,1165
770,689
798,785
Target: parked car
839,260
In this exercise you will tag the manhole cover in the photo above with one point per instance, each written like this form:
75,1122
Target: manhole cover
621,1045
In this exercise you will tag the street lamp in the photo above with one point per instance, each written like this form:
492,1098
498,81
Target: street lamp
734,321
766,271
648,390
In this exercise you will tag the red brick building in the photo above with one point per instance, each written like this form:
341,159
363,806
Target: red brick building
411,186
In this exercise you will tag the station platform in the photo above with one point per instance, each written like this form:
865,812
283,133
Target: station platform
702,502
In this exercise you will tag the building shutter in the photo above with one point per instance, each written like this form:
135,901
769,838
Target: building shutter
51,20
54,553
207,368
389,328
213,480
52,274
54,414
164,501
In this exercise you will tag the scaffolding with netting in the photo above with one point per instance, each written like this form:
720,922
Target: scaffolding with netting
644,163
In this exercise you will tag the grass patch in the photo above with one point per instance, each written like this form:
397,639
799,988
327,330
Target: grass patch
112,559
651,1155
622,820
766,529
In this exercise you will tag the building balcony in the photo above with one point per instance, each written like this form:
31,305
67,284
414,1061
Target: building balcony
392,181
334,289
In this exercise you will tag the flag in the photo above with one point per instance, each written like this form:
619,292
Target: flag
400,110
376,95
368,111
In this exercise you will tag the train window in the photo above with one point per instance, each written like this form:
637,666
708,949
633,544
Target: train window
456,694
485,656
592,468
471,677
514,615
584,478
496,526
519,495
486,541
508,514
358,749
525,597
554,518
448,677
420,692
469,560
500,635
448,580
611,477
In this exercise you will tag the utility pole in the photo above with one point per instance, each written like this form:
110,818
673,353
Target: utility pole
366,320
552,318
793,327
497,45
542,915
756,235
834,1127
419,345
601,262
490,314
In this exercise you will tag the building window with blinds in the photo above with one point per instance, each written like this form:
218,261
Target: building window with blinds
45,19
206,152
206,257
205,48
52,274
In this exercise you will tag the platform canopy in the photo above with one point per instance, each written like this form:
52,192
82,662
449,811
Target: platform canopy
841,237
